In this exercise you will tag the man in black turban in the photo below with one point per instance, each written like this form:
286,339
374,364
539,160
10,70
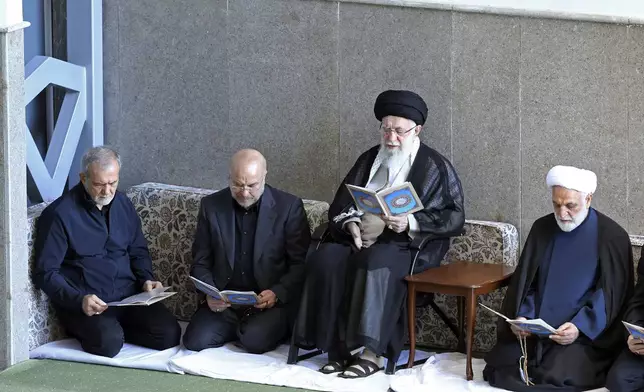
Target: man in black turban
355,293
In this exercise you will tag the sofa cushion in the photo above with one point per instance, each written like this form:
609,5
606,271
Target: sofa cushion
43,326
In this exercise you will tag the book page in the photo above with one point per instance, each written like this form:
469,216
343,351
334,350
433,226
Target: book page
144,298
537,326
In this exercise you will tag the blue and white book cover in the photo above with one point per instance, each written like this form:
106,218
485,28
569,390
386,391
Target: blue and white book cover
239,298
365,199
536,326
206,288
636,331
400,200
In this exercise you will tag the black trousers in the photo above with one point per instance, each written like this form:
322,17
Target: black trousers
151,326
627,373
258,331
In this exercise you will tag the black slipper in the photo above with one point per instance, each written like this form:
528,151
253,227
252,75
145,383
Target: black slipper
357,367
336,366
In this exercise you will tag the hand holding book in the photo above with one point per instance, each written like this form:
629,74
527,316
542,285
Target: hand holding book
145,298
518,331
397,224
566,334
397,200
217,305
537,326
227,296
635,338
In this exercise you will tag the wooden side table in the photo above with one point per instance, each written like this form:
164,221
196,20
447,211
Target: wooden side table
464,279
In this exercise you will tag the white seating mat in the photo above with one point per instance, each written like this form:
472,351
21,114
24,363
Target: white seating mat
130,356
231,362
445,371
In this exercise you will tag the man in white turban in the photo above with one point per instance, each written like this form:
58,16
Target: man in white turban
576,274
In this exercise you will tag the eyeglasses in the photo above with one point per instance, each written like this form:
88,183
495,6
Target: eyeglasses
398,132
250,188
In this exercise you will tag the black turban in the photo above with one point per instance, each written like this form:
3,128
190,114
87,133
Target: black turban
401,103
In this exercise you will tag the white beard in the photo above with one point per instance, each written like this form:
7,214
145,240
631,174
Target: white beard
571,225
396,158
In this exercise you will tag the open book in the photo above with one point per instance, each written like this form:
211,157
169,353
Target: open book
231,296
145,298
393,201
536,326
635,330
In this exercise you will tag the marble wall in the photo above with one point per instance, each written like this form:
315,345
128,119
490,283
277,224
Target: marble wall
14,280
189,82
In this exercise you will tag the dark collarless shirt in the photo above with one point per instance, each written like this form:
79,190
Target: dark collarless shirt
82,250
245,226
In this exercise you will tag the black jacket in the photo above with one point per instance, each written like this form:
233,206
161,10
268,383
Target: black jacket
281,241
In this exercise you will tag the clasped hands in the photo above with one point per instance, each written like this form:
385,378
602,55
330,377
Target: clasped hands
566,334
93,306
267,300
397,224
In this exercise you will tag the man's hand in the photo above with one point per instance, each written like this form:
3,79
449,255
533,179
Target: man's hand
92,305
267,300
354,230
216,305
566,334
635,345
150,285
519,332
397,224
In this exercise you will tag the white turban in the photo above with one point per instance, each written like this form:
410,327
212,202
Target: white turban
573,178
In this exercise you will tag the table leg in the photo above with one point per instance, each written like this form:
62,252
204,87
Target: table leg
460,323
411,313
471,323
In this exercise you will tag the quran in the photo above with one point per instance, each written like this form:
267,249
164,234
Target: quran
393,201
636,331
145,298
231,296
536,326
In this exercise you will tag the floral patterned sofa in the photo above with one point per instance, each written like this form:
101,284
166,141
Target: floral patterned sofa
168,215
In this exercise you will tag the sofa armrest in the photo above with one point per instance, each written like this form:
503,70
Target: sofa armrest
420,240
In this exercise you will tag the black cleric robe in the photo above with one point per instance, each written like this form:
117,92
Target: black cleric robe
437,186
627,372
356,298
583,364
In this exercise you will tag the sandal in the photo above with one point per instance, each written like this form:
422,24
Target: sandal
334,366
361,367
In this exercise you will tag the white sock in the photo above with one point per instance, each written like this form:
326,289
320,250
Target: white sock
369,356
